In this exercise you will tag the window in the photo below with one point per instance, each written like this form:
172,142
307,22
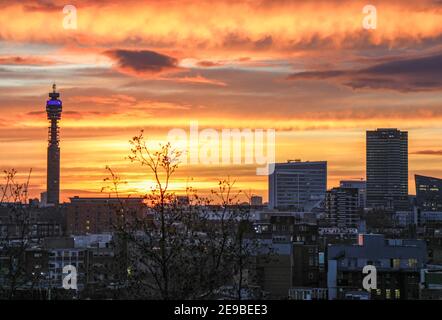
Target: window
387,294
412,263
395,263
397,294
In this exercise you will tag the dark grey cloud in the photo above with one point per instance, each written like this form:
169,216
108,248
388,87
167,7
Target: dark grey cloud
264,43
423,65
35,113
142,61
413,74
29,60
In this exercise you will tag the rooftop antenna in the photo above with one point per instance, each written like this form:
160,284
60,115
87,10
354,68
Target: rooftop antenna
54,94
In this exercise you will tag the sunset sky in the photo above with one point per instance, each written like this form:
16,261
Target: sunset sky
307,69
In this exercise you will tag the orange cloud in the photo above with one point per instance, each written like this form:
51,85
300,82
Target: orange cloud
28,60
246,26
208,64
155,41
114,99
201,80
429,152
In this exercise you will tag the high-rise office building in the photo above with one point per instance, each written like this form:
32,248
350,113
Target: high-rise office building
53,110
298,185
387,169
428,193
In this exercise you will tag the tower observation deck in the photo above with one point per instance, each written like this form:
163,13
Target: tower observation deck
53,110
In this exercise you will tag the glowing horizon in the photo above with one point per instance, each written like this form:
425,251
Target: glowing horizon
310,71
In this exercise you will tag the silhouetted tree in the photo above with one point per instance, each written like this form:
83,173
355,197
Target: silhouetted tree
15,236
192,249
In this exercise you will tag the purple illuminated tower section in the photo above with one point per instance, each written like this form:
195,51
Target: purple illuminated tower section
53,109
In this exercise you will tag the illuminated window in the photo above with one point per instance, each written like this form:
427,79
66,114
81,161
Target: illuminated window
395,263
397,294
412,263
387,294
361,240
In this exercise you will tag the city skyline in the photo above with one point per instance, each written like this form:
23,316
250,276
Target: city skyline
216,156
320,88
332,181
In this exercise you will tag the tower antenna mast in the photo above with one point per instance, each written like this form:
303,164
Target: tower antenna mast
53,110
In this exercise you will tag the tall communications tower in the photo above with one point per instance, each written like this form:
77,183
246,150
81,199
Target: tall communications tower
53,109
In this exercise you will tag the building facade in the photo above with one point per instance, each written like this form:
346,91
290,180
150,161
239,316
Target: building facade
98,215
398,263
298,185
361,185
342,207
256,201
428,193
387,169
